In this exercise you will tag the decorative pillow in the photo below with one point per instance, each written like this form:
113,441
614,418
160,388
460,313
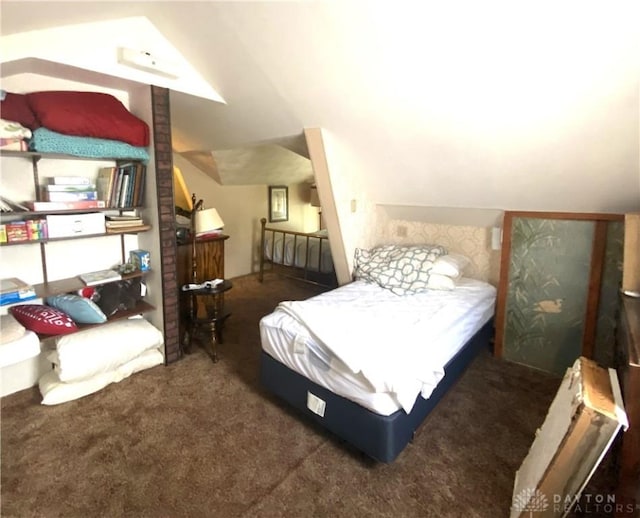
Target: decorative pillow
401,269
104,348
451,265
43,319
81,310
10,329
15,107
88,114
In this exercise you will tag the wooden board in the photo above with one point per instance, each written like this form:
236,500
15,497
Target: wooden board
584,418
631,259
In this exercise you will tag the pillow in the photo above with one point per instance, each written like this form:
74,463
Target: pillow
88,114
43,319
23,348
55,391
104,348
452,265
10,329
81,310
401,269
437,281
15,107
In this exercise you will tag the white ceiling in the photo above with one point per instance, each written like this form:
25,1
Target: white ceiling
463,104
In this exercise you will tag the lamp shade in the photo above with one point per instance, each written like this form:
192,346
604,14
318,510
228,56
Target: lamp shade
314,199
208,221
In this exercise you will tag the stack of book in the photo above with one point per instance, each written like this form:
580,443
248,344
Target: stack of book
7,205
69,188
15,290
121,186
121,223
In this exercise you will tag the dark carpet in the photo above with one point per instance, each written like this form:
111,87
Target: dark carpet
201,439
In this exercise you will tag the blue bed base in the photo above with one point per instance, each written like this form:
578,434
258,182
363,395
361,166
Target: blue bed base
380,437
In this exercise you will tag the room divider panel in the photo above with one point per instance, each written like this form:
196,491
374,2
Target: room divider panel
558,290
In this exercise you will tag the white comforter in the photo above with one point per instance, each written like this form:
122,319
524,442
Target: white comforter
392,340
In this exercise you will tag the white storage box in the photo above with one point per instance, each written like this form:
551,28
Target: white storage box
67,225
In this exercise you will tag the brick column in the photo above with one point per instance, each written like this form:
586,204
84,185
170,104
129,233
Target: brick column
167,220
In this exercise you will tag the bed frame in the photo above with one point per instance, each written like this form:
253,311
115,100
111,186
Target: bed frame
379,437
305,273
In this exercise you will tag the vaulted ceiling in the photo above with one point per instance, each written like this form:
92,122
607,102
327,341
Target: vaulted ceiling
461,104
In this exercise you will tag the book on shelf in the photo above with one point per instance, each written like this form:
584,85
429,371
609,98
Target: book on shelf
15,290
68,180
124,223
129,228
100,277
43,206
7,205
126,178
122,217
139,184
72,196
121,186
104,184
63,187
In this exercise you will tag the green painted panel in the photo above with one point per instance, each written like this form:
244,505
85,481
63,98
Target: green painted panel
547,292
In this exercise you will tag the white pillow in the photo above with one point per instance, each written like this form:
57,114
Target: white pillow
102,349
10,329
55,391
23,348
452,265
441,282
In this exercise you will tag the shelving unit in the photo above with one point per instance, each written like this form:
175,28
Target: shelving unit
110,232
35,157
71,284
48,289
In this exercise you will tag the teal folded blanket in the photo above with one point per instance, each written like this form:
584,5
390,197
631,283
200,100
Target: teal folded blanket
47,141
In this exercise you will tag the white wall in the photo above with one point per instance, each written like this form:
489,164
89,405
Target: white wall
241,208
497,105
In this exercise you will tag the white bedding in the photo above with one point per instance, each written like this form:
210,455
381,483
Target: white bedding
25,347
295,251
373,347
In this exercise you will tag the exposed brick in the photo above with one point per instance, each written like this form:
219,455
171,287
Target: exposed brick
164,195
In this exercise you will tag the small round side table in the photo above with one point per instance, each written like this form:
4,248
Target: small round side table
207,312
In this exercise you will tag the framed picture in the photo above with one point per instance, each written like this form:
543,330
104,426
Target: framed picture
278,203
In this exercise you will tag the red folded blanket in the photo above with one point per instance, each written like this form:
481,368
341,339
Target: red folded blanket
88,114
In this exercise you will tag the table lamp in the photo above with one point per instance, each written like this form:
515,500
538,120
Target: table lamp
208,223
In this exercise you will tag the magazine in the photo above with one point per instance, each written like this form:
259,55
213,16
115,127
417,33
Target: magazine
100,277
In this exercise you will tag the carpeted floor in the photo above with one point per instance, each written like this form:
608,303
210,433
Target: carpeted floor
197,439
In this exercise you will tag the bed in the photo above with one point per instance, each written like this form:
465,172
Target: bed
368,362
305,256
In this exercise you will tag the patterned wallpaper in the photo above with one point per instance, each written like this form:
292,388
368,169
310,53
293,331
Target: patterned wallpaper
473,242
